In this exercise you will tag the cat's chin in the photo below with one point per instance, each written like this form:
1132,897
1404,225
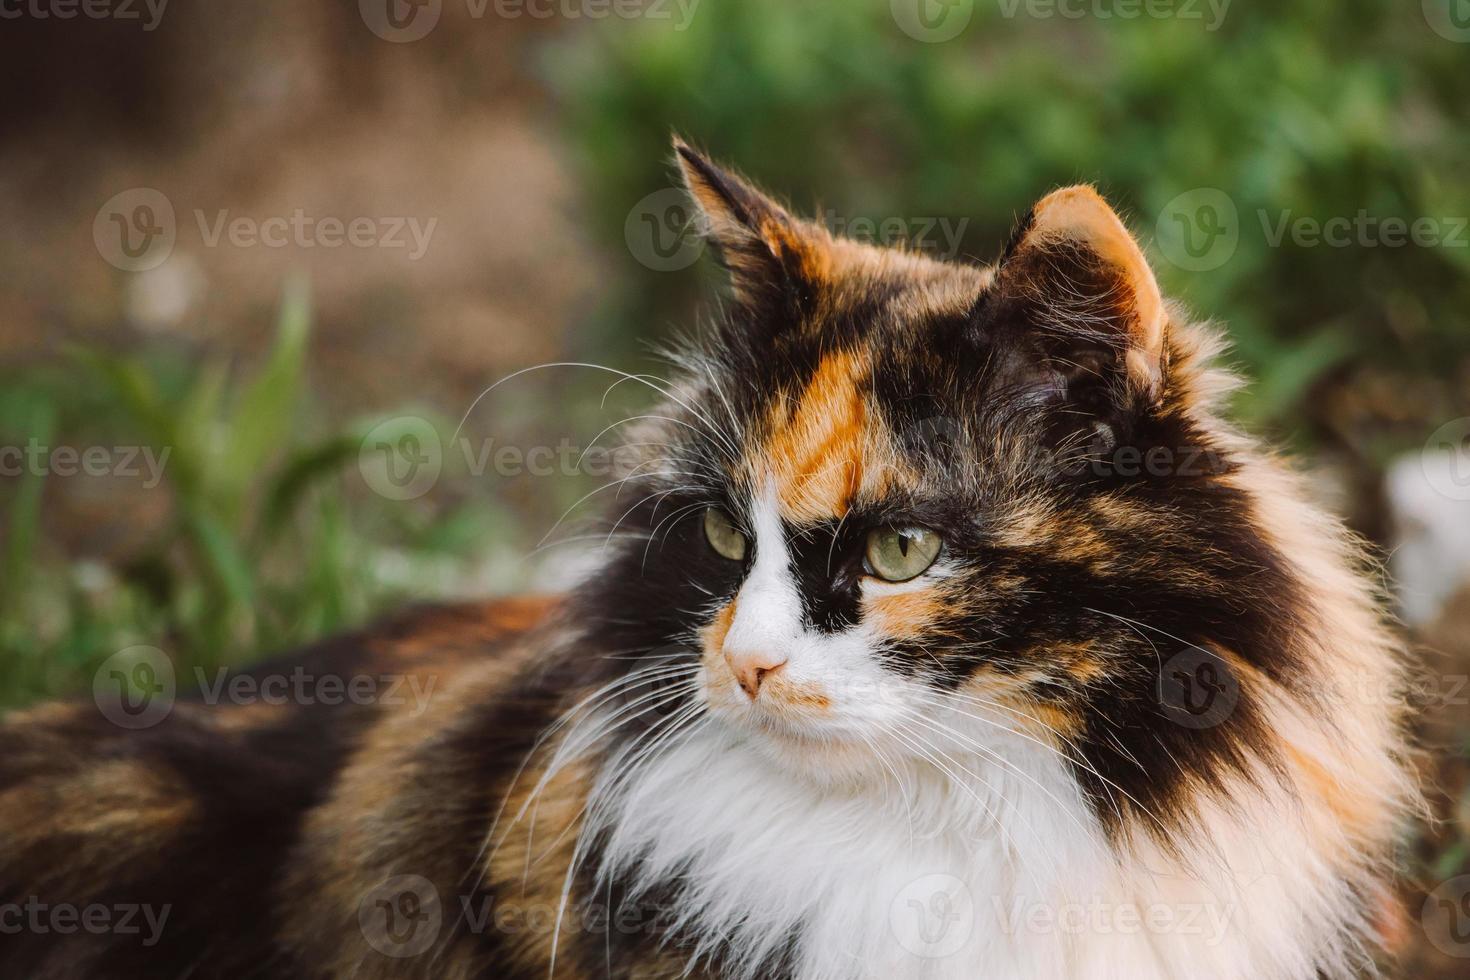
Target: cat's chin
820,754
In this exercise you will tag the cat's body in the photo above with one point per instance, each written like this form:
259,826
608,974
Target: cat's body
996,653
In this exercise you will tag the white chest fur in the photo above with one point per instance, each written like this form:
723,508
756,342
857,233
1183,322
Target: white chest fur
1005,876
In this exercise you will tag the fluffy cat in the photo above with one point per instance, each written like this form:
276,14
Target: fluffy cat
945,630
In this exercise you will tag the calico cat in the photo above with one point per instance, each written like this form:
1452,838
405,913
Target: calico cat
945,630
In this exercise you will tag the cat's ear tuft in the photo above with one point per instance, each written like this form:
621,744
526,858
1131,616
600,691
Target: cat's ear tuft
1073,274
764,246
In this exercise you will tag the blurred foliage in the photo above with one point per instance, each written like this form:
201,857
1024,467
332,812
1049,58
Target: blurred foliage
1306,108
260,536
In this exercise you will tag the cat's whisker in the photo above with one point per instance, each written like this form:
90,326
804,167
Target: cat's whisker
1073,757
940,728
659,494
598,798
1081,763
663,390
903,793
619,483
632,418
579,538
628,756
675,516
565,756
579,711
925,749
662,675
603,694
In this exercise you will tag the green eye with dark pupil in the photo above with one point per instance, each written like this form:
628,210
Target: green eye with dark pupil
897,554
723,536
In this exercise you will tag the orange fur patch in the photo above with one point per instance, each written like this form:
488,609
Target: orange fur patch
784,692
714,633
819,450
905,616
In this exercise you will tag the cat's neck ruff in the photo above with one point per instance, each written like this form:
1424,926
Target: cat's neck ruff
1001,873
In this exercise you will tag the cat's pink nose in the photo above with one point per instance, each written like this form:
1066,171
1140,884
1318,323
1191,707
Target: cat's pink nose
752,667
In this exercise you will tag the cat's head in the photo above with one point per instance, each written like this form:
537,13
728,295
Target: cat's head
891,499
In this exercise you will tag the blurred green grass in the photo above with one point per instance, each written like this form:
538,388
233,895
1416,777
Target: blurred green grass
267,537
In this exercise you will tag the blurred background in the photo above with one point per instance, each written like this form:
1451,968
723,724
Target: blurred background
261,263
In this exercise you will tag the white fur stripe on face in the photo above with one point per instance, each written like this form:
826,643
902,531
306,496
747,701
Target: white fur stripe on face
768,615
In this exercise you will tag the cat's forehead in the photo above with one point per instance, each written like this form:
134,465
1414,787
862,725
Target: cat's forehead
817,448
826,432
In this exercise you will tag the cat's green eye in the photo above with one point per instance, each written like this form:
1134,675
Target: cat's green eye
723,536
900,553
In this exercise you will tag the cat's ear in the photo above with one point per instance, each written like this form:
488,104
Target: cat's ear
765,248
1074,278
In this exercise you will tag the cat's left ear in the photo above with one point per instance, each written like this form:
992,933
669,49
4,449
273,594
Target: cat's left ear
1074,278
766,249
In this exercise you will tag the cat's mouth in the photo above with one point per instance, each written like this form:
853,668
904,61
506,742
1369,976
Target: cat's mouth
794,716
